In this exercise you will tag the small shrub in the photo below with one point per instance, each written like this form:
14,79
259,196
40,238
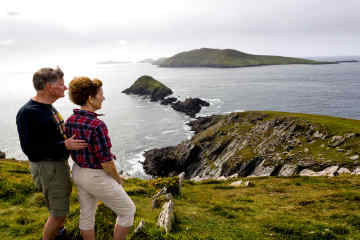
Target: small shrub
171,183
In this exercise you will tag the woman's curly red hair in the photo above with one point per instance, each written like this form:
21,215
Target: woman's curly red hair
81,88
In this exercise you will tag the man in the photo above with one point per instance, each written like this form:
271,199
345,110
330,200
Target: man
41,132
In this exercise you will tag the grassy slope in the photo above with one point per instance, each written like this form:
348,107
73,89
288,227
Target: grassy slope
276,208
228,58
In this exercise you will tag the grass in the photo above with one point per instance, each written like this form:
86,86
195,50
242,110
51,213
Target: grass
275,208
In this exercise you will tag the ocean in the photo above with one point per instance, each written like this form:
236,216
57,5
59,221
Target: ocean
136,124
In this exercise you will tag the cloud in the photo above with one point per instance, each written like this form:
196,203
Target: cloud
5,43
12,13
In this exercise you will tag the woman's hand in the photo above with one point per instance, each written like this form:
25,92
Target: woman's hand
110,169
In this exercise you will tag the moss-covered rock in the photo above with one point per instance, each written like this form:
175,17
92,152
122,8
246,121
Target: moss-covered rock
148,86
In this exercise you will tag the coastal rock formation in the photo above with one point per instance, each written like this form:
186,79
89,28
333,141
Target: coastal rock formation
190,106
228,58
169,100
148,86
261,144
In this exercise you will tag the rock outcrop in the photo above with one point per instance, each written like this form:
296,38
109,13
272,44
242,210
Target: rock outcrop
190,106
260,144
149,87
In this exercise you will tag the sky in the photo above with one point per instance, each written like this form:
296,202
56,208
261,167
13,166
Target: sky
122,30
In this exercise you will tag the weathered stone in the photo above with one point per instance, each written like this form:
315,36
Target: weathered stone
140,226
168,196
343,171
288,170
155,198
237,183
167,217
181,179
307,172
336,141
241,183
221,178
317,134
356,171
235,175
262,171
329,171
355,157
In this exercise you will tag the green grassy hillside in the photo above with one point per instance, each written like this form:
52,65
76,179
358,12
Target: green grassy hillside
207,57
275,208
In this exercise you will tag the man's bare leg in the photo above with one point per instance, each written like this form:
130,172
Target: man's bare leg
52,227
120,232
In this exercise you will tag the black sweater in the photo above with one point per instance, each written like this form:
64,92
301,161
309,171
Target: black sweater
40,134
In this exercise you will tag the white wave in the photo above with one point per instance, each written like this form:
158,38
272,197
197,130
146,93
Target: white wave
169,132
214,101
237,110
136,166
150,138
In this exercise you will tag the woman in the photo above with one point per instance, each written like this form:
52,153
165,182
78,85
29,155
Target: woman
94,172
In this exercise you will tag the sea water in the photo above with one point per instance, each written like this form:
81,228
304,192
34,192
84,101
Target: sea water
135,124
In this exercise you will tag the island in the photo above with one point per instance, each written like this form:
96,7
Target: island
228,58
149,87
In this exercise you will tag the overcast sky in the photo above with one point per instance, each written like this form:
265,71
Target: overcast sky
133,30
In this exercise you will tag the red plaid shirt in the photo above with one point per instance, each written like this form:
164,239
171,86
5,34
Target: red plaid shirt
85,125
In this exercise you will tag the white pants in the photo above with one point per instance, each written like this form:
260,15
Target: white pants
94,185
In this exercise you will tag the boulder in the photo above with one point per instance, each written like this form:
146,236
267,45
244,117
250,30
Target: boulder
241,183
262,171
149,87
355,157
329,171
288,170
356,171
336,141
140,226
343,171
191,106
166,218
169,100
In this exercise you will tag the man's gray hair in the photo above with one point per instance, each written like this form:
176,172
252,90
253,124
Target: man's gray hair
46,75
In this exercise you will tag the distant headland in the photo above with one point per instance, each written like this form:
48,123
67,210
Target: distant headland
229,58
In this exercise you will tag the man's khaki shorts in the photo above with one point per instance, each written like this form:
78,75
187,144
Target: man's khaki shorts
52,178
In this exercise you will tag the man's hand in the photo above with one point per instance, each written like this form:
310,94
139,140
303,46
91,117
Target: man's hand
75,144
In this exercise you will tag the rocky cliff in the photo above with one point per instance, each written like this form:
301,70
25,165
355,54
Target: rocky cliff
262,144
